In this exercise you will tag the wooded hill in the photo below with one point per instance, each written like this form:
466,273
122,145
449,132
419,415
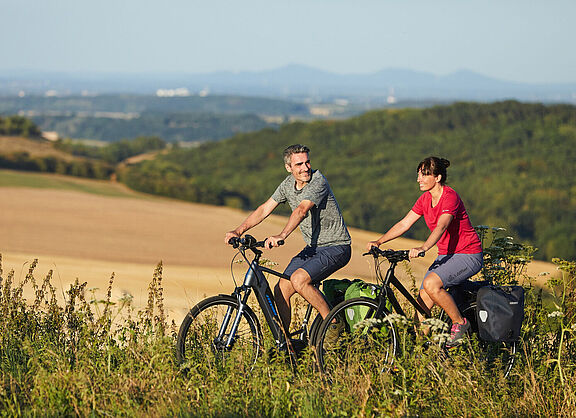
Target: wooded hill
512,164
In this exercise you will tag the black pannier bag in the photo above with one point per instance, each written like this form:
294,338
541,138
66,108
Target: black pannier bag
500,312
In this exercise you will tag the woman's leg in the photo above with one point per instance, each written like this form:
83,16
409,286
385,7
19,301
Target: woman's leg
433,291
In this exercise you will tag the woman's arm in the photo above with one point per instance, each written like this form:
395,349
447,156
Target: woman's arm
398,229
441,227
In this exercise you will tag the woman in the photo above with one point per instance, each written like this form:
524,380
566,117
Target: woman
459,248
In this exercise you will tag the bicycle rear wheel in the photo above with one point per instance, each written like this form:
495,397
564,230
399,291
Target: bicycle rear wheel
494,357
205,331
364,343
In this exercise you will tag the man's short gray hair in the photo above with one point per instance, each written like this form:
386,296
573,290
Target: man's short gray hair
294,149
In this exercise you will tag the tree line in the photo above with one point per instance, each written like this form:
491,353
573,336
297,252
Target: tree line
18,126
96,162
512,163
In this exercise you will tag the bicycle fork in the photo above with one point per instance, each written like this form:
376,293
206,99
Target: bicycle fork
242,293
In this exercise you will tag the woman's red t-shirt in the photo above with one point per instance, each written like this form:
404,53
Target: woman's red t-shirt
460,237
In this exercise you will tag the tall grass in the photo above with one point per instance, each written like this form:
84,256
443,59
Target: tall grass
90,356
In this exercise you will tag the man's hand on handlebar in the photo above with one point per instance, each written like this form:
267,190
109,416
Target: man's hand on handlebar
417,252
273,241
229,236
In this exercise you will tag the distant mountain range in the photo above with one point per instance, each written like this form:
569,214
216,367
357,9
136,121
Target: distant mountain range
293,82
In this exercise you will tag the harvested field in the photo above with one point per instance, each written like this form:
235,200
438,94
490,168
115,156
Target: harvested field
90,236
34,147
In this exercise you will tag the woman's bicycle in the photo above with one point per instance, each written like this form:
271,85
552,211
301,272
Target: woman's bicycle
369,336
224,328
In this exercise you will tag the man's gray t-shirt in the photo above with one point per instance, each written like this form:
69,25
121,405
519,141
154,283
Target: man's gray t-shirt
323,225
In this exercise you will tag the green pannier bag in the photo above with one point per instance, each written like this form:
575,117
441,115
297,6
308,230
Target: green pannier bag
359,288
335,290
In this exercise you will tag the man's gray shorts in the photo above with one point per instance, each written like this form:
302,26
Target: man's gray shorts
455,268
320,262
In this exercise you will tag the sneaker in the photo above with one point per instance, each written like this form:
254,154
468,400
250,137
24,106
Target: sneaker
333,333
457,332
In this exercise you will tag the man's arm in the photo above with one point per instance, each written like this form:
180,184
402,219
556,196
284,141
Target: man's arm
296,217
253,219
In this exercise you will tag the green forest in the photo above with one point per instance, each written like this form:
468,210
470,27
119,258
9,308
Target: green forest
18,125
512,163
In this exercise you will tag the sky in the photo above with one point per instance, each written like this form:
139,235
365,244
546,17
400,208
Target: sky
516,40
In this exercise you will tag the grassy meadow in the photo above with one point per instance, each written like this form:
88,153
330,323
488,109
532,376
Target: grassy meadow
91,356
69,349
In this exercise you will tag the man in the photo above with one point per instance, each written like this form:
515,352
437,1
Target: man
316,212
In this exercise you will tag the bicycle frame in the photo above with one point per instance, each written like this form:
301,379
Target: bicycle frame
386,291
254,280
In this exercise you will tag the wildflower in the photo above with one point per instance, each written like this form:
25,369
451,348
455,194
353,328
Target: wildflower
367,323
397,319
555,314
436,325
440,338
400,392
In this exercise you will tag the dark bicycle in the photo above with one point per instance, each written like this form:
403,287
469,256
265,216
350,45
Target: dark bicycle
369,335
224,328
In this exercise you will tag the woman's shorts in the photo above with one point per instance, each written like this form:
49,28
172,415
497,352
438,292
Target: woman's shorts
320,262
455,268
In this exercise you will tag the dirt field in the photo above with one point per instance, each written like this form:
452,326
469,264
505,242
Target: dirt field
89,236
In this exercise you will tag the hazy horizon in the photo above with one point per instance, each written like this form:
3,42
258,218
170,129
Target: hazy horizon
517,40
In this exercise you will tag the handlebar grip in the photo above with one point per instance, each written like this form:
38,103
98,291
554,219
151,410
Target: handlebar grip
234,242
261,243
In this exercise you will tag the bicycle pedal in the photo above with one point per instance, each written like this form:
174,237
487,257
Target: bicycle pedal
298,346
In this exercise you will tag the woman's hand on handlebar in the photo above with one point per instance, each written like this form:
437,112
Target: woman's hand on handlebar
417,252
372,244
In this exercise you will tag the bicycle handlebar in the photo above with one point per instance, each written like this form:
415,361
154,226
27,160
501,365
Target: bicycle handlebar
391,255
248,242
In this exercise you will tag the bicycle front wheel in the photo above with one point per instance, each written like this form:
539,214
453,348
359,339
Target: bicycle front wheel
205,334
492,357
357,342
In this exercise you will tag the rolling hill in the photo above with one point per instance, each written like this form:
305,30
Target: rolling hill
89,229
512,163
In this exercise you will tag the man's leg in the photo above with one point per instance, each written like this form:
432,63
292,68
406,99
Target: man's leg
283,291
302,284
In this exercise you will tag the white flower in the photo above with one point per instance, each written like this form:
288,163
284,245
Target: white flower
397,319
555,314
440,338
436,325
366,323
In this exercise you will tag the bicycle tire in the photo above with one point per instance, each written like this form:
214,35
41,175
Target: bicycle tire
495,356
371,347
198,339
314,328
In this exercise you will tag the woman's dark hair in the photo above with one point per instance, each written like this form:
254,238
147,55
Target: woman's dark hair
434,166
